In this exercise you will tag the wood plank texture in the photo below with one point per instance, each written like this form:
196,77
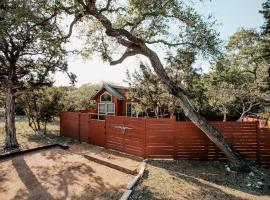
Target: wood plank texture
166,138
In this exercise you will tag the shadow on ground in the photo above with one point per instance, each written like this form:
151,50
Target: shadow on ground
34,189
75,180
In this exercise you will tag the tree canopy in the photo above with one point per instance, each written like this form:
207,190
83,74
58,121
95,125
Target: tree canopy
235,86
31,47
31,51
137,25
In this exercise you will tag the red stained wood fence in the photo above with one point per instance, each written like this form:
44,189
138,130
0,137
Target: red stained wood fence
166,138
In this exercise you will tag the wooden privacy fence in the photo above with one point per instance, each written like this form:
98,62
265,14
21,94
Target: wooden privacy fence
166,138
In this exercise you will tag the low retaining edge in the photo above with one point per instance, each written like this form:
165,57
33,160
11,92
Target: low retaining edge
110,164
16,153
131,185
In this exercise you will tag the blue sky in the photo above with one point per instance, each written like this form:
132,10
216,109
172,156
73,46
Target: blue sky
230,15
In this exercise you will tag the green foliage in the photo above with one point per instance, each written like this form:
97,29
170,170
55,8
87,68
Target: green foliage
80,98
181,71
31,44
147,88
42,106
154,96
31,52
171,25
236,86
266,14
238,82
265,39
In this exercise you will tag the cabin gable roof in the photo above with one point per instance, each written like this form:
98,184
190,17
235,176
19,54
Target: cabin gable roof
113,90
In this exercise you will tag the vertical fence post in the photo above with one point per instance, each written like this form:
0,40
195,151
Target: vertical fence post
144,140
206,147
79,126
105,133
61,125
174,138
258,156
89,138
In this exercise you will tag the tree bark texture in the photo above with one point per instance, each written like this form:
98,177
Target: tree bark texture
11,142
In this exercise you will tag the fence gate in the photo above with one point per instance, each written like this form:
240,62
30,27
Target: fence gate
96,132
126,134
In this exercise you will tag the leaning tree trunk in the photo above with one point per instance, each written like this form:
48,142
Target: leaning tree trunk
11,142
138,46
236,159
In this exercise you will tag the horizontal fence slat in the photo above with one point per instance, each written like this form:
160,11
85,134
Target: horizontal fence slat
166,138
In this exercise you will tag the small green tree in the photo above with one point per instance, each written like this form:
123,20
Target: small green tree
249,69
41,106
80,98
220,96
180,69
239,80
147,88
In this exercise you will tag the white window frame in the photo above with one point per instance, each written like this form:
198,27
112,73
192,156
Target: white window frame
106,109
101,104
103,94
113,113
99,110
132,103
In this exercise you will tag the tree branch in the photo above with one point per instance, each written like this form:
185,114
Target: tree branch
127,54
107,6
18,93
171,44
75,20
110,31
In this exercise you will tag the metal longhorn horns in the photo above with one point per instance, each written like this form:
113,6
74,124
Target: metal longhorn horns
123,128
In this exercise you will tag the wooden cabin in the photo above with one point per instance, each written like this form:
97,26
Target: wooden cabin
112,100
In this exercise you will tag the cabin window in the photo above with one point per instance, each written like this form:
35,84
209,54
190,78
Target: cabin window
131,109
110,109
101,111
105,109
106,97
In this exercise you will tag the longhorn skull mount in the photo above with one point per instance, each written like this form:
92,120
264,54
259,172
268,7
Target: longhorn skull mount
123,128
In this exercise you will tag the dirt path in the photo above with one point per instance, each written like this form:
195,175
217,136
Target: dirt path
59,174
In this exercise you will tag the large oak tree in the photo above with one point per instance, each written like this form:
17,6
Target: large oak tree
144,26
31,51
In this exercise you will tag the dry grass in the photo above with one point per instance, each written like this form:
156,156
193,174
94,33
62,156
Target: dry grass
197,180
28,139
